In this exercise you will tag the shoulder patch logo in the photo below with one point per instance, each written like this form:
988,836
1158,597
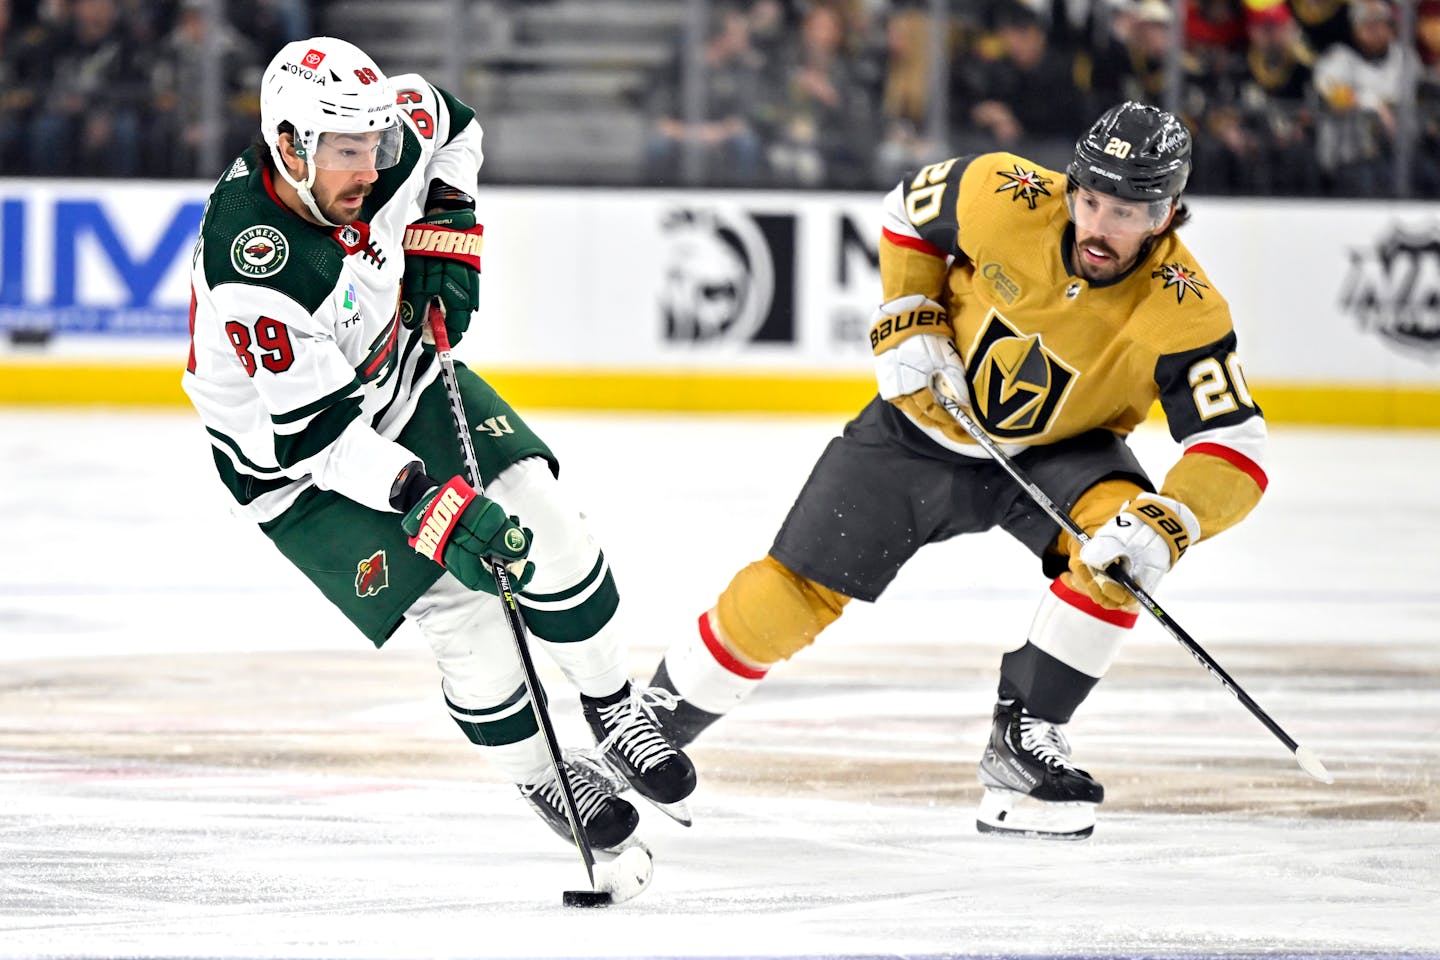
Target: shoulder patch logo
1026,184
372,575
259,251
1182,278
238,169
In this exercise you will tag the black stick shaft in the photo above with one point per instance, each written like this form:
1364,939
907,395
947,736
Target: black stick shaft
435,320
1116,572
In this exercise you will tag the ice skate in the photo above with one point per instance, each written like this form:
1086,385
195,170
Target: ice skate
686,721
609,821
628,738
1031,787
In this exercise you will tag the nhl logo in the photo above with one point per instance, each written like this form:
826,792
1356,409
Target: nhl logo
1393,289
1072,291
259,251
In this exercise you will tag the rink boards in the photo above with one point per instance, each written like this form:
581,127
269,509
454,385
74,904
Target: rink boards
715,300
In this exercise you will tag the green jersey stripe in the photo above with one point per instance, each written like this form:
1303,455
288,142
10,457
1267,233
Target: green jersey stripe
318,434
310,409
242,486
234,449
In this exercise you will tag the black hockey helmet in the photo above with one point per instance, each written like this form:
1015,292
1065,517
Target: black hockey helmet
1134,152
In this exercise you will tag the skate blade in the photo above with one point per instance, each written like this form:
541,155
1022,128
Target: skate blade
601,772
678,811
1010,813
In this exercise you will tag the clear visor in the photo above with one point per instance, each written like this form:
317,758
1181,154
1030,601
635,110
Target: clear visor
373,150
1099,214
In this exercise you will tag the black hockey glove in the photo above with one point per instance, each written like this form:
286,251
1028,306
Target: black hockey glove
442,259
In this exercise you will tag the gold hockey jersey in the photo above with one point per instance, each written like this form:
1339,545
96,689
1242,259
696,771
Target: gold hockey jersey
1049,355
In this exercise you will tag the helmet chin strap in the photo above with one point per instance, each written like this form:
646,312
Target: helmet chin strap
302,187
308,198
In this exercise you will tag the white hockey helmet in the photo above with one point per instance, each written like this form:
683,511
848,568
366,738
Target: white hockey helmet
328,86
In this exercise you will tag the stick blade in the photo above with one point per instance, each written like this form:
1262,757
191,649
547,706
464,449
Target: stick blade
1311,764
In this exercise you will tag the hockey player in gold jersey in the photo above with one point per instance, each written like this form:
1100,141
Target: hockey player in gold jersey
1059,308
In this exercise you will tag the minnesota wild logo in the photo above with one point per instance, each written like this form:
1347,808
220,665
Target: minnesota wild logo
371,575
259,251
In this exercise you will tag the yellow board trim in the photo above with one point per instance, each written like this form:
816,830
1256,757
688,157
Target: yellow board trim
62,384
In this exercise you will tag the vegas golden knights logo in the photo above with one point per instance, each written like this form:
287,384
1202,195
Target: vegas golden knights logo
1017,384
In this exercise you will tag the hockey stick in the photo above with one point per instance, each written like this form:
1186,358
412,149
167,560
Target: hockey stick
1308,761
616,883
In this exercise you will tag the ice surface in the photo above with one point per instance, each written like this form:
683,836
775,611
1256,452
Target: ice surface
199,759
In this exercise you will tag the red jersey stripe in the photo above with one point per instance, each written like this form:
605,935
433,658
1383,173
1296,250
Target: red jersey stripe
1234,458
913,243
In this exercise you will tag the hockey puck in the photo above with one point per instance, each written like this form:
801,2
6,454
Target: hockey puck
586,898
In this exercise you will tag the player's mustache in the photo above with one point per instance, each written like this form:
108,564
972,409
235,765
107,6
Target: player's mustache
1102,246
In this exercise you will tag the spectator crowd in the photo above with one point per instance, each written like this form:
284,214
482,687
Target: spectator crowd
115,87
1284,97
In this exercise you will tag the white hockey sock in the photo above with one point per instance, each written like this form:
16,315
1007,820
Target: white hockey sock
1077,631
524,762
705,673
596,666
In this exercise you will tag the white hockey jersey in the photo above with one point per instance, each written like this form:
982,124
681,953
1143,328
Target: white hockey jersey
299,367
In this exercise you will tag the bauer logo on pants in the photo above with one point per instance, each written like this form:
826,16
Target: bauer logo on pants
259,251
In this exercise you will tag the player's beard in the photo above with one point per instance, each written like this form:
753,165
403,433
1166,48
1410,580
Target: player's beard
1099,273
341,215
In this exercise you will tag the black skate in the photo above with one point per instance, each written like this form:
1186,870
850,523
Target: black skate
627,735
1031,787
609,821
686,721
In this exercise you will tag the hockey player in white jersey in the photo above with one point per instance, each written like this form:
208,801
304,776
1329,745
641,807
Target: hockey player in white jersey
320,250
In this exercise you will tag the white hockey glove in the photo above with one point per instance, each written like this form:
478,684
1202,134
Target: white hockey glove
1146,537
911,340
